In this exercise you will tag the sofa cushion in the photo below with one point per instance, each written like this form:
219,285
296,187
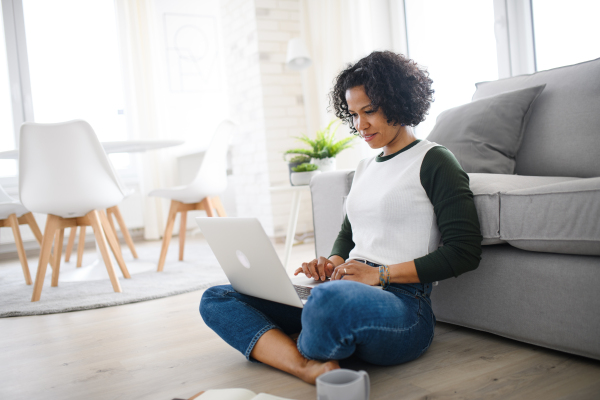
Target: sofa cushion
557,218
485,135
562,137
486,190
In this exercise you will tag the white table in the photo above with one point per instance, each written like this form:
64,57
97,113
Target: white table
121,146
293,220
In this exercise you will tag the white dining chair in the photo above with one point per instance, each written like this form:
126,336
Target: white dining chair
13,214
65,173
202,194
110,213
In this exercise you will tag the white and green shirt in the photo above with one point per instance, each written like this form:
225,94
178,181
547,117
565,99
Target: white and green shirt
400,208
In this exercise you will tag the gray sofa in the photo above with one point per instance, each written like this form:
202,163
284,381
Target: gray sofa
539,277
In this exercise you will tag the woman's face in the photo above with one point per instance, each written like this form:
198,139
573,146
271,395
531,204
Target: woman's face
370,122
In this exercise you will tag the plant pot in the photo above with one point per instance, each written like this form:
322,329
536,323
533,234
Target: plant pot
302,178
290,166
324,164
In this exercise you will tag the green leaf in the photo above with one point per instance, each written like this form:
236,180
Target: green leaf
324,144
306,167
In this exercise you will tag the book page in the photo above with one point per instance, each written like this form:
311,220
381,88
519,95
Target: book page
265,396
227,394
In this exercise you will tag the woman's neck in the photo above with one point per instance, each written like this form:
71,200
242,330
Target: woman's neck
404,137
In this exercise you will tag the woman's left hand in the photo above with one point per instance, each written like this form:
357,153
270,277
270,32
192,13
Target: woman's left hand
356,271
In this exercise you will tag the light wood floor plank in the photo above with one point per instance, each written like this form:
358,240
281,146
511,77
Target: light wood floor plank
162,349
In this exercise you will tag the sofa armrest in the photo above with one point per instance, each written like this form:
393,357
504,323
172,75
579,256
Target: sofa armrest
328,191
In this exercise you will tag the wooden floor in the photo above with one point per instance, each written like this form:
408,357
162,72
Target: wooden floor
161,349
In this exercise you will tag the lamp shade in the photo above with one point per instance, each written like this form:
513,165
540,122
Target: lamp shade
297,55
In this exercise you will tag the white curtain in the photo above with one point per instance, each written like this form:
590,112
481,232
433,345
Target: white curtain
338,32
137,34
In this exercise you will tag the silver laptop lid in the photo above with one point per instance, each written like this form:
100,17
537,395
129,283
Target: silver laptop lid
248,258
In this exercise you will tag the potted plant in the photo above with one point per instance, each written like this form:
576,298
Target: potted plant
303,173
295,161
324,148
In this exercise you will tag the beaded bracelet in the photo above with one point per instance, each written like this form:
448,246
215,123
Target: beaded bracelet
384,276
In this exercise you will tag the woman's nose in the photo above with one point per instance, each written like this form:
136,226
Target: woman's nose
361,124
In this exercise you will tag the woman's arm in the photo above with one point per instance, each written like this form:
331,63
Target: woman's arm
447,186
359,272
343,243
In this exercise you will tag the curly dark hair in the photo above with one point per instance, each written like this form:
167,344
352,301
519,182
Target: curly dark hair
392,82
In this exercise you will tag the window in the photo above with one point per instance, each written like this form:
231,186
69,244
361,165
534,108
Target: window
565,33
457,59
74,66
7,131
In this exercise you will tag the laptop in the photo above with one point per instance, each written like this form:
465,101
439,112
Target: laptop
249,260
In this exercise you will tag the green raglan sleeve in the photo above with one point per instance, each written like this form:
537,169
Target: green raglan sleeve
447,186
344,243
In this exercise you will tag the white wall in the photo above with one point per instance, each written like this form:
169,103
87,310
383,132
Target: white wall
267,99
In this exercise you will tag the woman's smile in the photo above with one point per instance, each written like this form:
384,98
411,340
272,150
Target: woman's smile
369,137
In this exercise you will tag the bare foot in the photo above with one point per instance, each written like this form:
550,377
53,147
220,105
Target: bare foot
278,350
312,369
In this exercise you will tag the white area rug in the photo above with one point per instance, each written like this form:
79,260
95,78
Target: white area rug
199,271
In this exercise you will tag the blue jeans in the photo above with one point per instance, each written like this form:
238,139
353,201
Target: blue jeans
340,319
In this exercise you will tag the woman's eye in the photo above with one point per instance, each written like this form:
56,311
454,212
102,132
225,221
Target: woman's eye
369,112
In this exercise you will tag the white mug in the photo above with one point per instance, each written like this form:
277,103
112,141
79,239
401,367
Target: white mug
343,384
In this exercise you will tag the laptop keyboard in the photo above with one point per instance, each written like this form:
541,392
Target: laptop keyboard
303,291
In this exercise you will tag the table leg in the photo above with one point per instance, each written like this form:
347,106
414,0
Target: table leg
291,231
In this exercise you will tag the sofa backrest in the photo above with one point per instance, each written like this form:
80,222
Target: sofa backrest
562,137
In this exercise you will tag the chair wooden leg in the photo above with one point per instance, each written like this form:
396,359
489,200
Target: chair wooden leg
101,240
168,233
207,206
28,217
114,244
69,249
58,244
109,213
30,220
14,224
219,206
81,245
115,210
182,227
48,238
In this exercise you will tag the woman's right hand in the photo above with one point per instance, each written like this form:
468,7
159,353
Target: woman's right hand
318,269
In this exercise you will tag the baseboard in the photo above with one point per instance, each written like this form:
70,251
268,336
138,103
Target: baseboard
8,251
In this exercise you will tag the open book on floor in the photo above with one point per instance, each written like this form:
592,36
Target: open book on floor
234,394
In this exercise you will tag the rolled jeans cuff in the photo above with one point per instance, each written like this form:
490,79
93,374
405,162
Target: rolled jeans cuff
255,339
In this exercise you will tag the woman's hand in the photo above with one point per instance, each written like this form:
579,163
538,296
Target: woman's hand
319,269
356,271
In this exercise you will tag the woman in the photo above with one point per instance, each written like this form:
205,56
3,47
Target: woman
401,204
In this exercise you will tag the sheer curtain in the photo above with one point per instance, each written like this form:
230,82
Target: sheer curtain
137,33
